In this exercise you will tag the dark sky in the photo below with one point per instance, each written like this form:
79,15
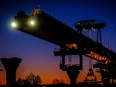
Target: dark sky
37,54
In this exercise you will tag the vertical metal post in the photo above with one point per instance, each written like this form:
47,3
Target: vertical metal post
63,60
81,61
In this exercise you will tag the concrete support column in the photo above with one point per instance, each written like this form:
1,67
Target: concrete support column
11,65
73,74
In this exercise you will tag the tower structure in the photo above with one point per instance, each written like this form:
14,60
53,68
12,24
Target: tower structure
11,65
92,25
73,71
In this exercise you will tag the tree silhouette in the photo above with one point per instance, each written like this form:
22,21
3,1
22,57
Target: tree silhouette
37,80
57,81
20,81
30,80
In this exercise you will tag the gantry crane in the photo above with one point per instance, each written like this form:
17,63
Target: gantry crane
70,41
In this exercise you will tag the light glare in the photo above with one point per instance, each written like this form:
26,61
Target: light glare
32,22
13,24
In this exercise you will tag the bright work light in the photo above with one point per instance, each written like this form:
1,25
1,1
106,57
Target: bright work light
13,24
32,22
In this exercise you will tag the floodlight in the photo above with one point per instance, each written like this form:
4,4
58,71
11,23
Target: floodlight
13,24
32,22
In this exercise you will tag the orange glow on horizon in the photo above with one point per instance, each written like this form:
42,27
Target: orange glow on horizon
46,70
47,78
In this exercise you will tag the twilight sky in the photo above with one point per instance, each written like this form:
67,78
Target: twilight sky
37,54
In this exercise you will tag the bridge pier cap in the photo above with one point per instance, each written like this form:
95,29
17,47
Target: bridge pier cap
11,65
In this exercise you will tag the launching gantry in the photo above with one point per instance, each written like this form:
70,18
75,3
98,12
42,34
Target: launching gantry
71,42
46,27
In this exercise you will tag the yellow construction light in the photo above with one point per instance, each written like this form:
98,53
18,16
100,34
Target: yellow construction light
32,22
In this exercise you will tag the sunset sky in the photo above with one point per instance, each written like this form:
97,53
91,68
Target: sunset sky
37,54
